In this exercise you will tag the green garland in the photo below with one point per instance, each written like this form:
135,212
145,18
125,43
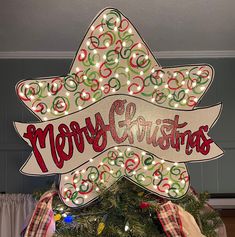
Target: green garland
118,213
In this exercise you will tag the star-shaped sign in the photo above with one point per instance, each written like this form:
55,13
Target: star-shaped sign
116,114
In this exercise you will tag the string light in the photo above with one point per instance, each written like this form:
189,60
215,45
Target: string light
66,112
153,99
183,82
131,92
155,87
118,19
199,72
84,77
187,72
134,55
116,60
130,30
40,84
128,82
27,86
162,161
127,227
166,86
175,74
33,108
139,45
66,178
184,101
95,51
104,57
79,107
176,105
82,55
161,75
67,93
92,28
101,29
141,73
187,91
91,160
202,88
115,28
170,96
113,90
45,118
107,44
97,65
104,16
143,153
116,75
88,43
49,93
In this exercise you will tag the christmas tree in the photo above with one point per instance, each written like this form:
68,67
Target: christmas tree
126,210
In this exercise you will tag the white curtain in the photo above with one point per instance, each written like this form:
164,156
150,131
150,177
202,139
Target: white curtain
14,211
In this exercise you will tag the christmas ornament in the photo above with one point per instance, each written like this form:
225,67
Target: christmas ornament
118,113
144,205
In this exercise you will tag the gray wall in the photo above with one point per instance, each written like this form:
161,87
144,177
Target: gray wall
214,176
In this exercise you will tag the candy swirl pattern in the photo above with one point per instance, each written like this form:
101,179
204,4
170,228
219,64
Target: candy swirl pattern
114,59
144,169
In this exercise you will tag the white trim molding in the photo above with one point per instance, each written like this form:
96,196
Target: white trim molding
159,54
222,203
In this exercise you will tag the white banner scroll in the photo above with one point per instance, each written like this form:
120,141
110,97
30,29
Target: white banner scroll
62,144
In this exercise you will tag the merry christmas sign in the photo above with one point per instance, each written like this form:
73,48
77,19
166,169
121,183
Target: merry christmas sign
118,113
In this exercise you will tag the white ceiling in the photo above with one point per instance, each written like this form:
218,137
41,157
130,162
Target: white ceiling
166,25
